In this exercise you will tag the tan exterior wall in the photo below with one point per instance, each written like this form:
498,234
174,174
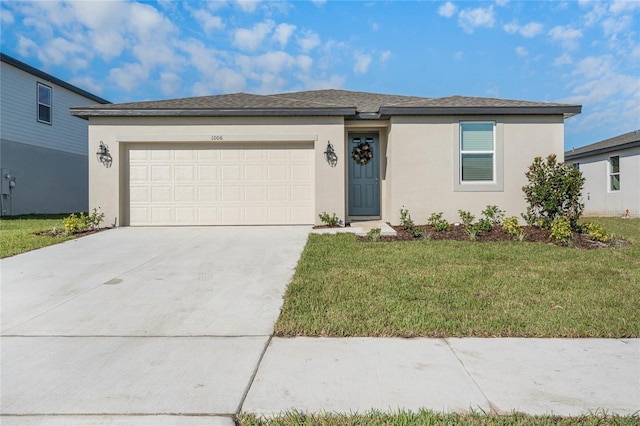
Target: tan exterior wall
418,164
423,152
108,186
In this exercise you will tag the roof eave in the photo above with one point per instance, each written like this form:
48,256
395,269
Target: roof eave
566,110
570,155
256,112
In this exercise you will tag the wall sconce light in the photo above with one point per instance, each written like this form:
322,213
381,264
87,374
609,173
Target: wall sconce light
103,155
330,155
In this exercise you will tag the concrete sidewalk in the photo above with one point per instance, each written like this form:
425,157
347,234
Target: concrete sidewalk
566,377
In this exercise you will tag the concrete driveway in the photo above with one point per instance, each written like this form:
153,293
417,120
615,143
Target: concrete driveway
149,322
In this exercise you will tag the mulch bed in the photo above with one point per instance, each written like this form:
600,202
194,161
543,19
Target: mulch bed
532,234
60,232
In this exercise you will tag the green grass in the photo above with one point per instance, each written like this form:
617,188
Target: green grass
446,288
425,417
18,233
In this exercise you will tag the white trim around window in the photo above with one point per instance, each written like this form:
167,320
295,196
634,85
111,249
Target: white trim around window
478,162
43,103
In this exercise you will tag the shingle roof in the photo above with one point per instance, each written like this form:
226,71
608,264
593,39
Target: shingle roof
48,77
616,143
325,102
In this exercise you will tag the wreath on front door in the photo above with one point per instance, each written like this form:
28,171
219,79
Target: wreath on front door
362,153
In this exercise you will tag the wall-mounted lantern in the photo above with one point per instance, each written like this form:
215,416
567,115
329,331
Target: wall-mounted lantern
103,155
330,155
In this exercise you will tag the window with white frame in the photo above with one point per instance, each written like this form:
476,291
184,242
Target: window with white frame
44,103
477,152
614,173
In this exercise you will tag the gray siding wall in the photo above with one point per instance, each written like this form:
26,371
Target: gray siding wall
47,180
18,111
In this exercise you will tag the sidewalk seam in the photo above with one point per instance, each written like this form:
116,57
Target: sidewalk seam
492,407
253,376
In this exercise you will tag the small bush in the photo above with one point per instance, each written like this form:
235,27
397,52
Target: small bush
513,228
596,231
374,234
561,229
553,191
73,223
485,225
474,231
494,215
438,222
331,221
95,219
405,219
466,217
418,232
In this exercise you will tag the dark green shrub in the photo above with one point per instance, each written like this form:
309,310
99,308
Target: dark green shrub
494,215
331,221
438,222
553,191
418,232
405,219
466,217
374,234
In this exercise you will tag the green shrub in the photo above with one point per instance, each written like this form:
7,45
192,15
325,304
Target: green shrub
73,223
95,219
561,229
596,231
553,191
485,225
418,232
405,219
466,217
374,234
331,221
438,222
494,215
474,231
513,228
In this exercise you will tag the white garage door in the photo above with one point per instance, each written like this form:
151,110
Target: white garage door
239,184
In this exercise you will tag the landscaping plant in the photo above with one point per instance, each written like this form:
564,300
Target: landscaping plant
438,222
405,219
332,221
554,190
466,217
374,234
561,229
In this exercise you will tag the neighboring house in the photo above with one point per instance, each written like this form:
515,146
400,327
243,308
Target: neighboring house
611,169
243,159
43,148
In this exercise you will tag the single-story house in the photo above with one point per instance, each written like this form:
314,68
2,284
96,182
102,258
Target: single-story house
43,149
244,159
611,169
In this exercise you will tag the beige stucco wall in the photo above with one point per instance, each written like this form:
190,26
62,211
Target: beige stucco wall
417,165
422,153
107,186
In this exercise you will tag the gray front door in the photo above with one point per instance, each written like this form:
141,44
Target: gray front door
364,174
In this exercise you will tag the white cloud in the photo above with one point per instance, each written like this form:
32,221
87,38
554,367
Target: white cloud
87,83
304,62
564,59
6,17
447,10
309,41
208,21
529,30
282,33
319,2
251,39
521,51
362,63
385,56
26,46
470,19
248,5
566,35
169,83
623,6
128,76
458,56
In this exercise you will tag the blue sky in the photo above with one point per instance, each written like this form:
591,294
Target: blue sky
577,52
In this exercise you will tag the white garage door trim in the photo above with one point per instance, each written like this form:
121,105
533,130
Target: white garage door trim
220,184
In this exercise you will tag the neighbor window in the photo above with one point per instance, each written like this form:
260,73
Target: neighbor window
44,104
477,152
614,173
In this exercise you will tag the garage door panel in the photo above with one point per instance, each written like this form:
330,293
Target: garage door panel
178,184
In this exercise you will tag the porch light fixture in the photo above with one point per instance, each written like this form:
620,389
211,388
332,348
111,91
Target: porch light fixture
330,155
103,155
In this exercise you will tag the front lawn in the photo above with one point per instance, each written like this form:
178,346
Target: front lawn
18,233
426,417
343,287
